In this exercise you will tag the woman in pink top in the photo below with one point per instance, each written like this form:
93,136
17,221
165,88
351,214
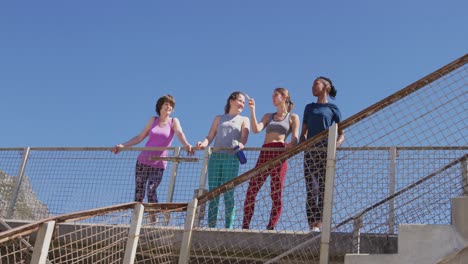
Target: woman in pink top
161,130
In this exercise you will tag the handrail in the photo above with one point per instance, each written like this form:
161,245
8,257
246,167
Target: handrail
33,227
175,159
428,79
294,151
245,149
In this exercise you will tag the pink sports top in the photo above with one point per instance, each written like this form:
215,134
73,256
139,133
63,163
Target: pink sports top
158,137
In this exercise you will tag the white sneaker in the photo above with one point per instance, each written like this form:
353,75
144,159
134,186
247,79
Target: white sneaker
315,229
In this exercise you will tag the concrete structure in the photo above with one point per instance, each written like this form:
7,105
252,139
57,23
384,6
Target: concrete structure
426,244
225,243
415,244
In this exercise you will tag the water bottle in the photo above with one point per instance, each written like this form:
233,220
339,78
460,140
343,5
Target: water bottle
239,153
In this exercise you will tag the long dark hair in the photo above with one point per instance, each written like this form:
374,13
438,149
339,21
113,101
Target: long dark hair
233,96
332,93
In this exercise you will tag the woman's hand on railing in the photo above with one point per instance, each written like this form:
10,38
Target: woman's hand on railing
190,150
200,145
117,148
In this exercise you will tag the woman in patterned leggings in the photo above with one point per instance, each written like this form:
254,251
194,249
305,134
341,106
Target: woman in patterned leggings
318,117
160,130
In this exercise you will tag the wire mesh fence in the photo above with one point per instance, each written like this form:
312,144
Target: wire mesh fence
100,235
98,239
64,180
403,160
16,251
161,235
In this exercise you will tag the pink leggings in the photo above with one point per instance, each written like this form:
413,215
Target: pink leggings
277,173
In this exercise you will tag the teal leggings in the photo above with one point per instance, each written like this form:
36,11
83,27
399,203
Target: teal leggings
221,169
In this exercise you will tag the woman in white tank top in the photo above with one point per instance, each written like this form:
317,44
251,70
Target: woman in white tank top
223,165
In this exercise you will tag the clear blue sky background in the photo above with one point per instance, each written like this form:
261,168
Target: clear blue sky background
88,73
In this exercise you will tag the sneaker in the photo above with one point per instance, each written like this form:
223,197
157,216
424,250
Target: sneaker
315,229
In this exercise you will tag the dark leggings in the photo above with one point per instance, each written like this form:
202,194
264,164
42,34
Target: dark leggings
147,177
315,163
277,172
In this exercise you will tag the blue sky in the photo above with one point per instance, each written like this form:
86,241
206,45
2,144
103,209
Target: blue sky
88,73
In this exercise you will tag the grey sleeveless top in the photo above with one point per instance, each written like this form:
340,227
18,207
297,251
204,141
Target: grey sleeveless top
281,127
229,129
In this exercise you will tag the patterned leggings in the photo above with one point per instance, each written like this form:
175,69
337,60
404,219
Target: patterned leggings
147,177
315,163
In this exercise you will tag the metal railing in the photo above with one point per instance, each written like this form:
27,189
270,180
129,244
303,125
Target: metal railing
42,181
403,161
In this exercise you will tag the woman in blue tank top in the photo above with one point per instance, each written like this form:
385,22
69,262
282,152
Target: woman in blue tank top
223,164
318,117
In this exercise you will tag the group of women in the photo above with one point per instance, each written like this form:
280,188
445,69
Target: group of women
223,165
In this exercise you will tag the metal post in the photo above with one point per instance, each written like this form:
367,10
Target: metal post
172,182
175,165
391,190
464,169
19,180
202,187
133,234
188,229
357,225
328,197
41,247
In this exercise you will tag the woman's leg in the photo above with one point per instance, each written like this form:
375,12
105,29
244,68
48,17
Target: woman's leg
278,174
314,175
230,171
154,179
249,205
141,176
214,180
311,188
255,184
321,160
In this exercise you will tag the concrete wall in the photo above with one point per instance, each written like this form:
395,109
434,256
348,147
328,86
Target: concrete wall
423,244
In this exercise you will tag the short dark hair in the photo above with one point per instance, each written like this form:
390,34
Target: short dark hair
164,99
